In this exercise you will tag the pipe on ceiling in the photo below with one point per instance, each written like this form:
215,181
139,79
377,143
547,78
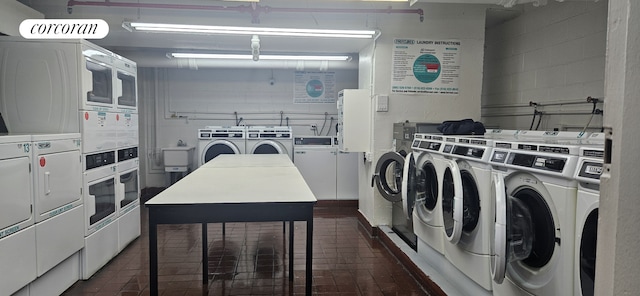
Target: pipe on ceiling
254,9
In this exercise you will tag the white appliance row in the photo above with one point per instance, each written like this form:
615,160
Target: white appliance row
516,214
216,140
331,174
47,82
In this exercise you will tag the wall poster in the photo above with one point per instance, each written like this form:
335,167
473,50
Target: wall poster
426,66
314,87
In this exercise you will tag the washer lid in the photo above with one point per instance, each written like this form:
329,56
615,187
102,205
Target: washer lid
388,176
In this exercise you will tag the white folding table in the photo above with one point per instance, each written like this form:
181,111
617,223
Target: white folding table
271,190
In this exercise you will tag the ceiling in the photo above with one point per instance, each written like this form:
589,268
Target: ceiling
325,14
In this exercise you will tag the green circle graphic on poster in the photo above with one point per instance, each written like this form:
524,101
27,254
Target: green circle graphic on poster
315,88
426,68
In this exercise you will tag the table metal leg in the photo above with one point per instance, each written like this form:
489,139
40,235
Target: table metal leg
309,276
291,255
205,255
153,256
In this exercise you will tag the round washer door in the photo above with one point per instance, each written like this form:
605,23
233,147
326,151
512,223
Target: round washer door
452,202
587,265
499,247
427,191
408,189
268,147
388,176
217,147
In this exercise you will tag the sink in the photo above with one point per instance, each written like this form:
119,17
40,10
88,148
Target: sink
178,158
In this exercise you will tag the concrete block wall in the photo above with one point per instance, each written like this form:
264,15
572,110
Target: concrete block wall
548,54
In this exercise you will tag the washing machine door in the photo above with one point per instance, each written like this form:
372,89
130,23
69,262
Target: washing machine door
217,147
388,176
587,256
452,202
268,147
499,247
515,230
408,188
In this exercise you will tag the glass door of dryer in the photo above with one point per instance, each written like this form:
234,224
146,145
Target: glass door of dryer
99,87
129,189
126,95
100,201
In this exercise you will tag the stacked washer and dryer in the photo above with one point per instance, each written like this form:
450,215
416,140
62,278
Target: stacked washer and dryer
216,140
74,86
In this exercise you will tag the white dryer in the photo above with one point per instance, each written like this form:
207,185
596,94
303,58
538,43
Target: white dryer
588,176
100,219
468,206
270,140
17,230
216,140
427,206
534,230
58,202
128,201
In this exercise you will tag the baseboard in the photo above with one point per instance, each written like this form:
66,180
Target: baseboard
426,282
337,203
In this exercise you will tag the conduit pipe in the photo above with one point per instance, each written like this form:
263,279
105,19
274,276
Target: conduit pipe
254,9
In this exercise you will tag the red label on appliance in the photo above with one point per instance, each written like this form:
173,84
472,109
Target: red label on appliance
86,115
43,162
117,117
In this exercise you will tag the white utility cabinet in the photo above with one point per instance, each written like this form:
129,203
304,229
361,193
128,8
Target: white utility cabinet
354,120
347,175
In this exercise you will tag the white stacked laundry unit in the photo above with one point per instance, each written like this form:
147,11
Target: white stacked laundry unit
58,208
17,230
127,168
72,86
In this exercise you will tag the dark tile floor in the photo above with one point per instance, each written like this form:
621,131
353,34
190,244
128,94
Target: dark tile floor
252,260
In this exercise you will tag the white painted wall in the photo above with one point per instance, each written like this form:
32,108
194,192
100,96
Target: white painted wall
462,22
178,102
550,53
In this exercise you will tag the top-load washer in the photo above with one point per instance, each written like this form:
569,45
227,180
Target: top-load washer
17,230
534,231
270,140
588,174
216,140
427,206
467,206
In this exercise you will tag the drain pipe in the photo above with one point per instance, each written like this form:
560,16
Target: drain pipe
254,9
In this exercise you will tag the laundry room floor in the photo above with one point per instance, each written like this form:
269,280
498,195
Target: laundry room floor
252,260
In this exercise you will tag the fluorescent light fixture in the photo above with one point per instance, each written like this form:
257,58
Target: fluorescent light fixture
200,29
262,57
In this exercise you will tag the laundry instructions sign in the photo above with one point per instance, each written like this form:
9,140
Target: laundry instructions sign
425,66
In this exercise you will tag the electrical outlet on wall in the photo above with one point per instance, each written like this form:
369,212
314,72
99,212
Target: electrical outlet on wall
314,127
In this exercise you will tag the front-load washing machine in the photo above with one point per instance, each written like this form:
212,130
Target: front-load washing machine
534,231
427,206
270,140
17,230
588,176
467,206
216,140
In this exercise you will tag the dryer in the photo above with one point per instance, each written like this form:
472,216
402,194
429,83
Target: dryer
58,202
467,206
588,174
427,208
534,231
216,140
270,140
17,230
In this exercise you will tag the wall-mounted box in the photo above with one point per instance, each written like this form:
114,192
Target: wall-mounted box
354,120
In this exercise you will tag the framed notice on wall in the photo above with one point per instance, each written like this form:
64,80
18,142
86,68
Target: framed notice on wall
314,87
425,66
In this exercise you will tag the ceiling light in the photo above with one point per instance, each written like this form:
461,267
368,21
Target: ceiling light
200,29
262,57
